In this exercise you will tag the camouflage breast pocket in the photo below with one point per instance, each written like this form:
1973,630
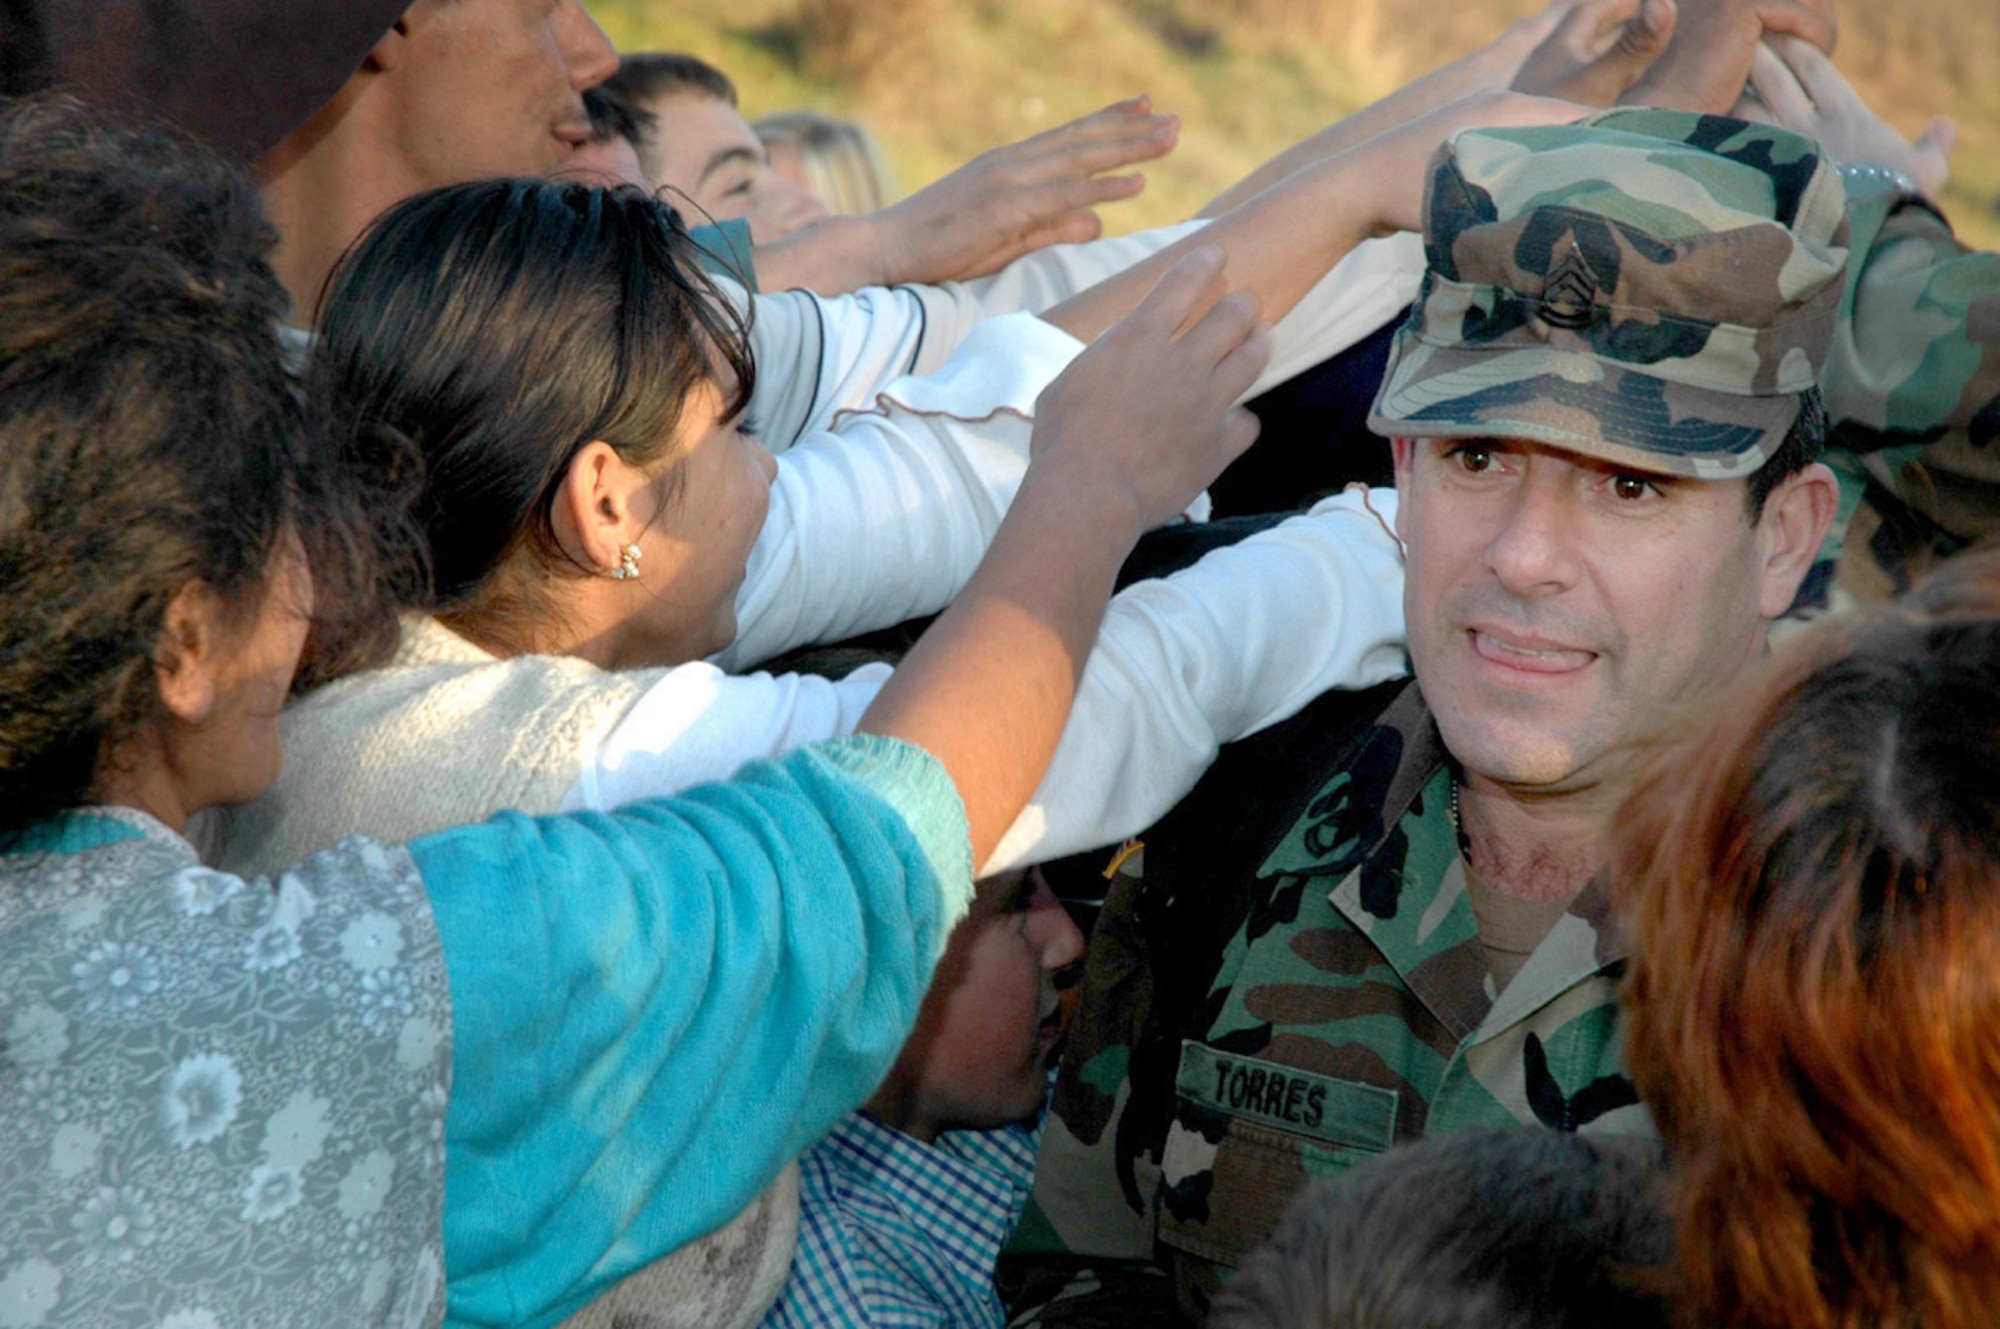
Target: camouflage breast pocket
1247,1135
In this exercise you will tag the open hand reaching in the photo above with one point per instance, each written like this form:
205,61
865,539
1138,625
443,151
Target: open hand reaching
1802,90
1708,61
1598,49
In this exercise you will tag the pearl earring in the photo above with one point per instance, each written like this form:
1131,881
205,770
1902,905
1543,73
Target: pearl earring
628,564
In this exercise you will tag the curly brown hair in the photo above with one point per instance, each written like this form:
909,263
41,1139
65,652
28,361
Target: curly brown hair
1813,887
150,435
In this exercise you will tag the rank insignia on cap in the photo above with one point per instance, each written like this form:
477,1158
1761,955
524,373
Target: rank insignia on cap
1569,297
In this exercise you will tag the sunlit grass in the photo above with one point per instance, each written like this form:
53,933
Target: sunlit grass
1247,77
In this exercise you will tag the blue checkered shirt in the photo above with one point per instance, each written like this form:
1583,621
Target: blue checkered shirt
898,1234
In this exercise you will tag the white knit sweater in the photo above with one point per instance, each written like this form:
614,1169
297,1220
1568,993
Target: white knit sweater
444,734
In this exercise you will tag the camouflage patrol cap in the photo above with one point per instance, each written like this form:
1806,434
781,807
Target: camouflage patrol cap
1652,288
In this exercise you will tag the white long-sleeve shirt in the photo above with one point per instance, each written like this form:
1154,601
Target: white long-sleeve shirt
1241,640
884,515
818,356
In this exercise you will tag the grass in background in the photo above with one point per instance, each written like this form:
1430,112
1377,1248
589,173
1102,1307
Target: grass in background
940,80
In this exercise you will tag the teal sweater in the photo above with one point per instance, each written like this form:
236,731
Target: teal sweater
655,1009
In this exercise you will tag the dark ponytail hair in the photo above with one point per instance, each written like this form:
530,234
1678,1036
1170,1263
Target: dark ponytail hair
489,331
150,435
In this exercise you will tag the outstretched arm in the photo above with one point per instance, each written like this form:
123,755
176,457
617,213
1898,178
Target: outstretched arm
1571,50
1129,433
885,516
1002,204
1285,239
1183,664
1243,639
653,1010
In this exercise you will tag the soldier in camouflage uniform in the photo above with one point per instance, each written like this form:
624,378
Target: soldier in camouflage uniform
1913,387
1605,412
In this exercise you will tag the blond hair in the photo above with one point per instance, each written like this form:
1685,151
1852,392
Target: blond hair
842,164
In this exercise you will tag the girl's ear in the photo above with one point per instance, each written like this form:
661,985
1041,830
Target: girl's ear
592,511
187,659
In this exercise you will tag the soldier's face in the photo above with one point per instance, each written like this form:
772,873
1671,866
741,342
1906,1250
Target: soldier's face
1554,602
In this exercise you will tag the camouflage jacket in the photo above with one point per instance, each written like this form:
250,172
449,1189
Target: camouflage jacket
1351,1010
1913,388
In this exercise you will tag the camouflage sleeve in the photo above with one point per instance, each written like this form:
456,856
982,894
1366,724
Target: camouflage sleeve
1913,382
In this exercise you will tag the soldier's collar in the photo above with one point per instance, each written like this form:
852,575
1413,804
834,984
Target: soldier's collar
1361,803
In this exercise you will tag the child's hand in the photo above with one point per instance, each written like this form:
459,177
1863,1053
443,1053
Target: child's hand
1145,418
1599,49
1803,91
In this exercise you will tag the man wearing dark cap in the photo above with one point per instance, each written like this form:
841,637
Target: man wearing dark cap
449,91
345,106
1605,419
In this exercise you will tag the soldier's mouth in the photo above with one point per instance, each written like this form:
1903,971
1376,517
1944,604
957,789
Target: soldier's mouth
1528,654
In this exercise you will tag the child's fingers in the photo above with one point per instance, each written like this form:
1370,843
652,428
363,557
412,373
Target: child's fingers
1240,369
1180,290
1221,328
1779,88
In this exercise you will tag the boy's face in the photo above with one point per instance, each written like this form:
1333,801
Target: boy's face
992,1023
707,150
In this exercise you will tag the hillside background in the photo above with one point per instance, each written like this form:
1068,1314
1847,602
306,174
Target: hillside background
940,80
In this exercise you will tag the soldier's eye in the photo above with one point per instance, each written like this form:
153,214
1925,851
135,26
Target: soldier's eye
1631,488
1473,459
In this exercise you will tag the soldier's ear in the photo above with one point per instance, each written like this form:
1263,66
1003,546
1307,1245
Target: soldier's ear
1797,515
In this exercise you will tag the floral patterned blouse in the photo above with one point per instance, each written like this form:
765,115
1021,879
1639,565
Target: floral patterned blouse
221,1102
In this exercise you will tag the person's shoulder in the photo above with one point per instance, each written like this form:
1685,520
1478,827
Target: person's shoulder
852,1265
167,1017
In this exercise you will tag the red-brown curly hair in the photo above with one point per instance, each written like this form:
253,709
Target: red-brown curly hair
1813,889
